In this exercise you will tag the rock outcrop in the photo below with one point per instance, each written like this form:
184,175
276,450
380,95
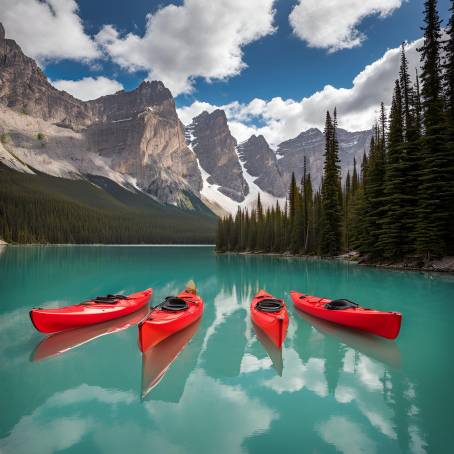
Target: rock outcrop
260,161
215,147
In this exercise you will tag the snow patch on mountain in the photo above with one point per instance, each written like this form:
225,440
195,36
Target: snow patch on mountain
266,198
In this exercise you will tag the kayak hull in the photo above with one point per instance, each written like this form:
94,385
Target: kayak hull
70,317
161,324
379,323
273,324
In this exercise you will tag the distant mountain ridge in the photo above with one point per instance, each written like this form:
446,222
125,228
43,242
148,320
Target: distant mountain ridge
311,144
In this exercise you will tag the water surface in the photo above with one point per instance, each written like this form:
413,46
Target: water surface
329,390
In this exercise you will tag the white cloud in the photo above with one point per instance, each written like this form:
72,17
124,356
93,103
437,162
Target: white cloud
347,436
201,38
47,30
281,119
332,24
88,87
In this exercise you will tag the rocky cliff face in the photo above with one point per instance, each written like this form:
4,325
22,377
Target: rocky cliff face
210,138
25,89
135,133
260,161
141,135
311,144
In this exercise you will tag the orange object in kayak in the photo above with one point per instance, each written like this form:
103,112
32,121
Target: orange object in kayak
270,314
64,341
100,309
172,315
347,313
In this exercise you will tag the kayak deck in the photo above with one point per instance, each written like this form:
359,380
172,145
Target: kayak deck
162,323
274,324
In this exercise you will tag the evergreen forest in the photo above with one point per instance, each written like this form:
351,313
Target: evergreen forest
399,200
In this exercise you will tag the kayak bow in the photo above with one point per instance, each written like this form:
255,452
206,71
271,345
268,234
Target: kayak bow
97,310
270,315
344,312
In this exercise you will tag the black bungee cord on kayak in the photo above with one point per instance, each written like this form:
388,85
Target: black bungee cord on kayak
269,305
341,304
107,299
172,303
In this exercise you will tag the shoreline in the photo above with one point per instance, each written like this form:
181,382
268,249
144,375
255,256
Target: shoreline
104,244
443,265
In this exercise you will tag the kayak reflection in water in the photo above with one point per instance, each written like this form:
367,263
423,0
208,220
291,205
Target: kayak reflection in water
157,360
61,342
382,350
271,349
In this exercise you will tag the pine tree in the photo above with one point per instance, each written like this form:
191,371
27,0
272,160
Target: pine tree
418,105
435,183
297,240
308,206
292,197
347,195
331,196
355,180
393,235
372,203
449,95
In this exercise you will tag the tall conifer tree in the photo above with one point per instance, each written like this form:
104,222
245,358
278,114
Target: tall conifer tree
435,183
331,196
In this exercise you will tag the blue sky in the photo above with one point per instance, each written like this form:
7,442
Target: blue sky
268,56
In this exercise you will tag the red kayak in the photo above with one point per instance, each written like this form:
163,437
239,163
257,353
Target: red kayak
172,315
97,310
270,315
347,313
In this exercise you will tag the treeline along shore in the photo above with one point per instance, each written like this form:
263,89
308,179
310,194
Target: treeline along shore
397,207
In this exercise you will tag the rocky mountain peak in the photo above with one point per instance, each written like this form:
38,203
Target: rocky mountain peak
147,97
216,119
2,33
256,141
260,161
215,147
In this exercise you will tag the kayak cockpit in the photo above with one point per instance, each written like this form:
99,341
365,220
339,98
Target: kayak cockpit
173,304
340,305
269,305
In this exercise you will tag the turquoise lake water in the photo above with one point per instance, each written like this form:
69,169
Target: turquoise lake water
329,390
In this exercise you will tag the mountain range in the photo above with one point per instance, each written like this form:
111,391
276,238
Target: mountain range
135,140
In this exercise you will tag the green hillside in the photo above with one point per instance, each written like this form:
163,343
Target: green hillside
45,209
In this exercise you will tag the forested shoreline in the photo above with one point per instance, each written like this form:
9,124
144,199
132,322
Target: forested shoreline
41,209
399,201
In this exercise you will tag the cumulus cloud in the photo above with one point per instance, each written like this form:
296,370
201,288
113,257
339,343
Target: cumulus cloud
88,87
48,29
200,38
281,119
332,24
